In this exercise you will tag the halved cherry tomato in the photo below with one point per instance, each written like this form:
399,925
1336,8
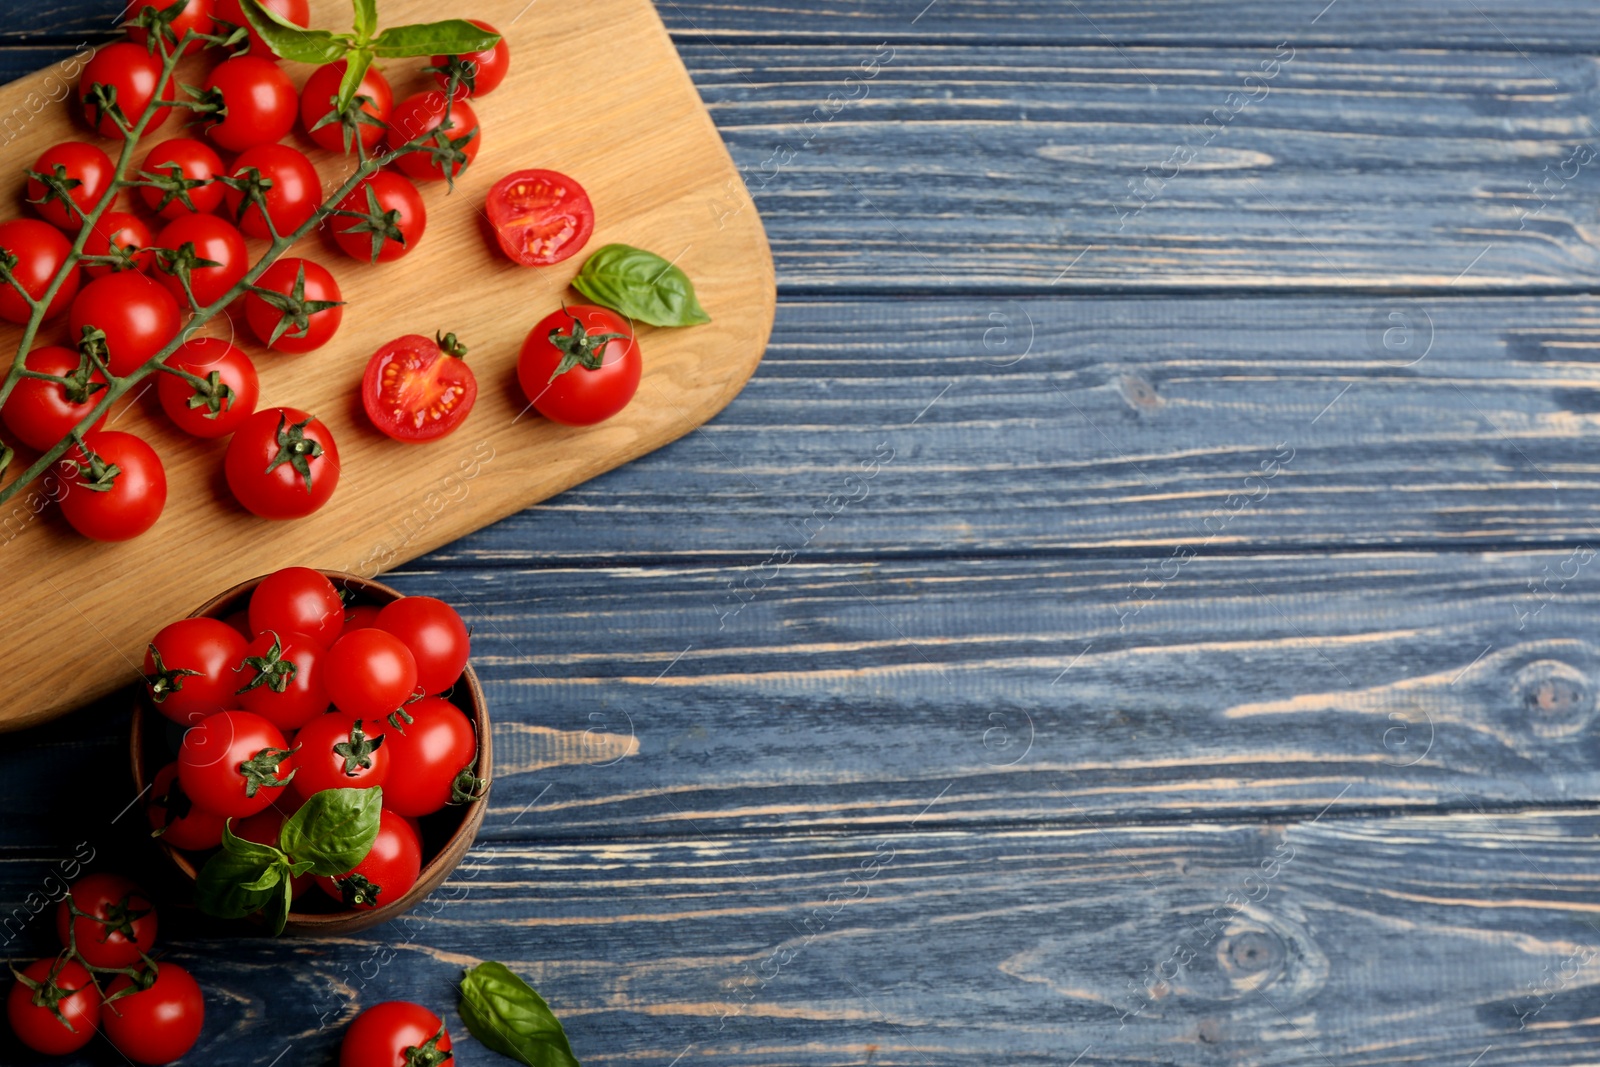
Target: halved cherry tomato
539,217
419,388
205,414
395,218
106,506
580,365
39,413
326,128
479,73
449,151
70,161
119,234
180,161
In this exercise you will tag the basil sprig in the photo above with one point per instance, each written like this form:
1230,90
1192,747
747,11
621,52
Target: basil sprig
329,835
504,1012
640,285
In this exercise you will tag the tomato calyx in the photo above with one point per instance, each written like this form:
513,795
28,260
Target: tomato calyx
272,670
252,189
101,99
92,346
294,317
101,476
294,449
357,751
118,918
261,770
358,889
181,263
580,347
459,71
428,1054
468,788
214,395
164,680
78,386
210,107
175,802
173,185
49,993
383,225
351,119
400,718
57,189
446,152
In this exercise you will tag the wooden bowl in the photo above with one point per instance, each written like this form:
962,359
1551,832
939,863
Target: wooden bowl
451,832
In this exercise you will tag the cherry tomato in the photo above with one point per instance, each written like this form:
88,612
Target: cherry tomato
215,239
337,752
293,661
234,763
133,73
388,872
479,72
193,412
158,1024
316,105
132,498
456,144
282,464
380,1036
436,636
126,234
193,15
118,924
189,669
138,316
596,387
259,103
419,388
361,616
426,755
370,673
39,413
539,217
293,198
395,219
296,11
183,160
65,987
40,250
306,285
72,161
298,600
176,819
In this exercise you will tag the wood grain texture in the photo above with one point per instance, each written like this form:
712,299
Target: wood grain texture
85,636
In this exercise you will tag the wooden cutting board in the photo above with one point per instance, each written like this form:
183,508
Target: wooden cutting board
603,98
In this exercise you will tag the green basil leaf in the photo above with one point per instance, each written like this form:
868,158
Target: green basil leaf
504,1012
231,886
366,18
250,850
452,37
279,914
291,42
640,285
355,69
334,831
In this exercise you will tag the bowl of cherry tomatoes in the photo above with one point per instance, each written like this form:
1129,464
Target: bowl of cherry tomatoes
297,683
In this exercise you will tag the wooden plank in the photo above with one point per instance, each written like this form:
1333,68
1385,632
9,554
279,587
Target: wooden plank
651,178
1387,941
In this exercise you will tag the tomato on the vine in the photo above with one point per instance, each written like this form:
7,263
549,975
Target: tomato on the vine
192,15
259,104
190,169
419,388
450,149
436,636
539,217
282,464
296,11
391,223
371,117
388,871
120,235
580,365
176,819
292,197
116,486
382,1035
370,673
337,752
118,924
64,986
136,314
189,669
477,73
212,238
41,251
157,1024
234,763
69,162
430,745
298,600
225,403
40,413
294,662
132,73
303,310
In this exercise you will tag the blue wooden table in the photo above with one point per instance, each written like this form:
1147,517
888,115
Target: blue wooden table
1143,609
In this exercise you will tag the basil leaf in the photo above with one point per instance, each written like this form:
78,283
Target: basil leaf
334,831
366,18
289,41
231,886
245,849
355,69
279,914
504,1012
640,285
452,37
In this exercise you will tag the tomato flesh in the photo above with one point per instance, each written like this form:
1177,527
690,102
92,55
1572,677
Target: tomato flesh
540,217
415,391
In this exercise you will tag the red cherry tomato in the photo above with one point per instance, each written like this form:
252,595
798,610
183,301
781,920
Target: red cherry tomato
39,413
298,600
117,233
282,464
436,636
396,219
388,872
32,1013
539,217
176,819
426,755
316,105
381,1035
234,763
580,395
361,616
424,113
134,73
40,250
479,73
183,159
370,673
293,661
193,412
419,388
136,495
259,104
138,316
189,669
215,239
337,752
295,192
303,328
296,11
118,924
71,161
158,1024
